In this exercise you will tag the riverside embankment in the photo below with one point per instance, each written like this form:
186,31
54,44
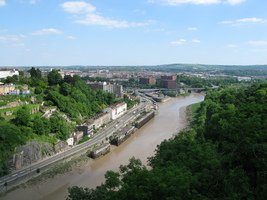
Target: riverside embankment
170,120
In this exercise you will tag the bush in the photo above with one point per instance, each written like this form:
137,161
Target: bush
38,90
3,103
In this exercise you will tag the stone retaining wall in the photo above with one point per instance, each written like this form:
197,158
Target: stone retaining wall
141,122
100,151
123,135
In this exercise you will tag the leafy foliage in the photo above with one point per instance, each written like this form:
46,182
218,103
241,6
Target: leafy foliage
70,95
10,137
196,82
54,77
225,160
35,73
76,98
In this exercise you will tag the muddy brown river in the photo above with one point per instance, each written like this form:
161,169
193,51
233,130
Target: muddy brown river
142,144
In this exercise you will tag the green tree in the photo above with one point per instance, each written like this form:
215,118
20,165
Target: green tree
10,138
65,89
38,90
35,73
23,117
11,79
225,160
54,77
41,126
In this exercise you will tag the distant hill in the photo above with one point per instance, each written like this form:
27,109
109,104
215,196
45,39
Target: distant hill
177,66
203,66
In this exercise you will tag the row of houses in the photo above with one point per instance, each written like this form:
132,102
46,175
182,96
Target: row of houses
11,89
88,128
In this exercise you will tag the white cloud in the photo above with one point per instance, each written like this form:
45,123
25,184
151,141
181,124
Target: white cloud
244,21
78,7
91,17
95,19
196,41
2,38
181,41
250,20
192,29
2,2
226,22
176,42
32,1
179,2
140,11
11,37
231,45
71,37
19,45
48,31
257,43
235,2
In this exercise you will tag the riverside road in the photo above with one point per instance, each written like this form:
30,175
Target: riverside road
97,138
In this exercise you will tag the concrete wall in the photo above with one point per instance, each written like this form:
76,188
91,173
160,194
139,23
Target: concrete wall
100,151
123,135
145,119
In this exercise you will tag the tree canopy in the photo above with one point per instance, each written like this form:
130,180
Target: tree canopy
225,158
70,96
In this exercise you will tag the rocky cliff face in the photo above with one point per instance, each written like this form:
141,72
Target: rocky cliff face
14,104
35,110
19,103
30,153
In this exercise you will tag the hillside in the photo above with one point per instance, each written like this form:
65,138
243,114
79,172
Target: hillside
45,116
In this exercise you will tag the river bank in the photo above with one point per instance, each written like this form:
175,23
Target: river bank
90,173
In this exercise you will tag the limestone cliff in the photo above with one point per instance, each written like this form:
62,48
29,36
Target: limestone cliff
30,153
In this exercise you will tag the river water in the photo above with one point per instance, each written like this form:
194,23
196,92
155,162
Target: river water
142,144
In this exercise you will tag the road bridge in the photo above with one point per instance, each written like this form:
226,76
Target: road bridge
174,89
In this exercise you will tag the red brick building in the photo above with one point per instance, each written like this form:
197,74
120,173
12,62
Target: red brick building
169,78
151,81
168,82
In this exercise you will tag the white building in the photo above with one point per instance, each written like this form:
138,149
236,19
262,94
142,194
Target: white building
116,110
8,72
115,89
244,78
70,141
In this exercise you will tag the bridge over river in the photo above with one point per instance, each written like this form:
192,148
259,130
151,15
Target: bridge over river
190,90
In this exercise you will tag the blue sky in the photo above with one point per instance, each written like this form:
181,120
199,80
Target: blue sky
132,32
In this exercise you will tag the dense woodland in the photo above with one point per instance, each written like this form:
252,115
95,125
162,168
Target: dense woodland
70,95
223,156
